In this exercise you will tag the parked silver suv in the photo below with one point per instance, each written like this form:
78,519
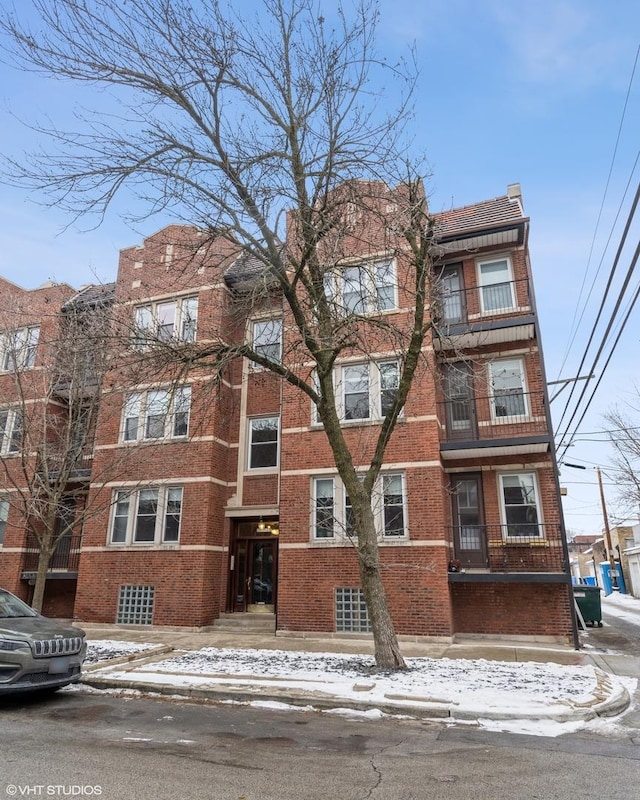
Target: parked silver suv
36,652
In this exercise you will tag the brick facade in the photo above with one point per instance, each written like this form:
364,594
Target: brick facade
481,550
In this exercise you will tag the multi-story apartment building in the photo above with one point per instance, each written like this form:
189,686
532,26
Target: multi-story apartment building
220,494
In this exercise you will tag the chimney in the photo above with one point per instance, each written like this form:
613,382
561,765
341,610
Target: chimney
514,192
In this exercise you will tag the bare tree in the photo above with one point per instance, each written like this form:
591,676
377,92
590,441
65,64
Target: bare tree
624,433
49,419
274,130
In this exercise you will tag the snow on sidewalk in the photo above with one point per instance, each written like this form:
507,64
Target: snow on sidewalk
469,689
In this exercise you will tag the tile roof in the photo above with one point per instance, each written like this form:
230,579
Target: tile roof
478,216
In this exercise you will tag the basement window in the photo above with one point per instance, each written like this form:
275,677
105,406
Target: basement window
352,615
135,605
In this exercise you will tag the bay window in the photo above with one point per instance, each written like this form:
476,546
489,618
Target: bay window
156,414
167,320
332,510
150,515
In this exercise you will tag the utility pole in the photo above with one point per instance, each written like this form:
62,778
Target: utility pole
607,533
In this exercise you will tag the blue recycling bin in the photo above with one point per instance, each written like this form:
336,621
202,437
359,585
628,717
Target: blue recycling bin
605,571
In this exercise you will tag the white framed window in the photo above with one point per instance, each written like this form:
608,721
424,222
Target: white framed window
11,430
146,516
495,279
266,339
156,414
324,517
508,389
263,442
367,390
4,516
18,348
363,288
166,320
332,513
520,505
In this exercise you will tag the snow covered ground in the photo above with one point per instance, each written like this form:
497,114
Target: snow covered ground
525,696
623,606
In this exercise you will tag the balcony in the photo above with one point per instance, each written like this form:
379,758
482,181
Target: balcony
63,564
483,315
526,552
504,423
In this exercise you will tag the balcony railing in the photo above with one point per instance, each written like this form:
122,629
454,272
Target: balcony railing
505,414
460,306
65,558
521,547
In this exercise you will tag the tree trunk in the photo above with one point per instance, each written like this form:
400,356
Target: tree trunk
44,557
387,649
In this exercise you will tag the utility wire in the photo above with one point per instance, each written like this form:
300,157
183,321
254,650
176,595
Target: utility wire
615,344
616,260
575,326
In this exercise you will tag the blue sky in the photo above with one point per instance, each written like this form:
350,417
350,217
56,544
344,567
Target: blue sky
531,91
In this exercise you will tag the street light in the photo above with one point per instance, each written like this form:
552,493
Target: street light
607,532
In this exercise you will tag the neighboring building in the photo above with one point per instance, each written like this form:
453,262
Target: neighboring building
228,502
30,321
632,554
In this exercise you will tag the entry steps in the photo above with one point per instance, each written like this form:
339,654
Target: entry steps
246,622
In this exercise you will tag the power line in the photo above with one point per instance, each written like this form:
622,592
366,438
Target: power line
616,260
575,326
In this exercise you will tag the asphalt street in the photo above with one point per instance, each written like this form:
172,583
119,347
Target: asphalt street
90,744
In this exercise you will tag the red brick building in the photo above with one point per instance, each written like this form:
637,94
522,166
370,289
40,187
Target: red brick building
224,502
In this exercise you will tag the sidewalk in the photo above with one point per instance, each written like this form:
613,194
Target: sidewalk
476,681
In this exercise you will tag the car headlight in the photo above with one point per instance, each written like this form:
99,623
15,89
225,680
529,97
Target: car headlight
13,644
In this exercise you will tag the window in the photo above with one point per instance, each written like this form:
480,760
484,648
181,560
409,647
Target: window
147,516
352,615
356,391
363,289
135,605
393,505
18,348
333,513
4,516
520,507
10,431
267,339
496,285
263,443
324,523
368,390
506,378
166,321
157,414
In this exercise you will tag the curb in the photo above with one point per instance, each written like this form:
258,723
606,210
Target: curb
605,702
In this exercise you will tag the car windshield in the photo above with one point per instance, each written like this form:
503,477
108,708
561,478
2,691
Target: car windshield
11,607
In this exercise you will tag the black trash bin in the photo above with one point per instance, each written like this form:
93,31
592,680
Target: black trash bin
588,600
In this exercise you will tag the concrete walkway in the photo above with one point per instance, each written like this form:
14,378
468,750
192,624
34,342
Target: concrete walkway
135,670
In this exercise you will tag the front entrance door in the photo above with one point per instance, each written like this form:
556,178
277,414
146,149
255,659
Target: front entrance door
469,534
253,574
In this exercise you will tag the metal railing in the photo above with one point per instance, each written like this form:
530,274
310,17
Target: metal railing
65,558
518,547
503,414
459,306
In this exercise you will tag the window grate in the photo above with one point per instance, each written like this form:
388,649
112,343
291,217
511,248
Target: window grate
351,611
135,605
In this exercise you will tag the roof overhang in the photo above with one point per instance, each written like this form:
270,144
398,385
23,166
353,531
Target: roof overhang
450,451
